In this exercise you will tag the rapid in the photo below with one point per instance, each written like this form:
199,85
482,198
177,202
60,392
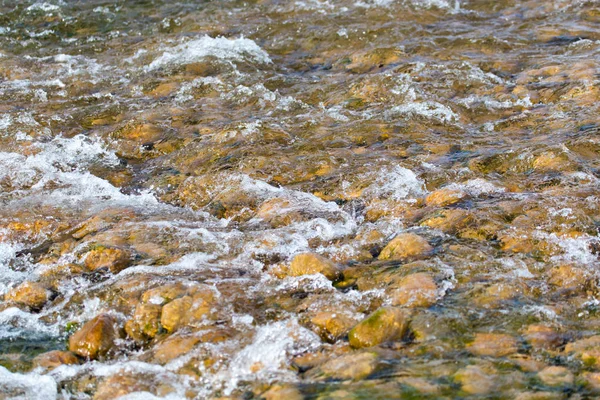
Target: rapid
312,199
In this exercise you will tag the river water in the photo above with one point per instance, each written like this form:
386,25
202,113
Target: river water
165,161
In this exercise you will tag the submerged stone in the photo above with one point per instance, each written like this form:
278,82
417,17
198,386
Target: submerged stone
556,376
415,290
475,380
445,197
405,245
354,366
55,358
311,263
385,324
588,350
493,344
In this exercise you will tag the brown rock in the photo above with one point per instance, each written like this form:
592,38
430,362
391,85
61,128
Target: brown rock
173,313
592,380
556,376
282,392
540,396
189,309
363,61
542,337
550,161
106,257
278,212
164,89
91,225
588,350
405,245
444,197
474,380
496,293
515,242
120,385
311,263
353,366
30,294
143,133
332,325
145,323
53,359
164,294
568,278
95,338
421,385
386,323
173,347
449,221
415,290
493,345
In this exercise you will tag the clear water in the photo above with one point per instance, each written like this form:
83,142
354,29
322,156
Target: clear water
173,123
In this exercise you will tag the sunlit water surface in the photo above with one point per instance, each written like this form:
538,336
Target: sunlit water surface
212,141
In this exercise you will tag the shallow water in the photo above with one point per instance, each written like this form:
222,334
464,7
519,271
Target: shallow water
212,142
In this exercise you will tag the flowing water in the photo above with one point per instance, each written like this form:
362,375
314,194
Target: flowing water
162,162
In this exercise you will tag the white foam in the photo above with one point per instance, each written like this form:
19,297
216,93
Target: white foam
9,276
320,6
576,250
443,4
17,324
26,387
57,175
312,282
266,358
45,7
517,268
189,262
474,101
427,109
477,187
396,183
150,396
220,47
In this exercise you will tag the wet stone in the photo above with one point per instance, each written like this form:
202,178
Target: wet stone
384,324
493,344
542,337
354,366
556,376
145,323
164,293
280,392
55,358
449,221
113,259
475,380
322,199
173,347
405,245
445,197
30,294
173,313
588,350
95,338
415,290
333,325
310,263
